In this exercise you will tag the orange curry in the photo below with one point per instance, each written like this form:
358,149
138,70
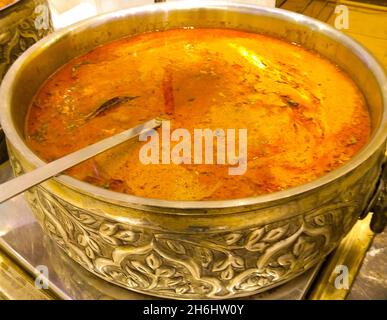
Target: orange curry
304,116
4,3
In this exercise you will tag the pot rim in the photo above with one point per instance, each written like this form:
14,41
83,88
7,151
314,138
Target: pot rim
159,205
4,9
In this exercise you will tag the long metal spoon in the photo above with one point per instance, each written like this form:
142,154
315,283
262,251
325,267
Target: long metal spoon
20,184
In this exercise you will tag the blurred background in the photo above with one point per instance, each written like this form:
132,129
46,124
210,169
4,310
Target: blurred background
65,12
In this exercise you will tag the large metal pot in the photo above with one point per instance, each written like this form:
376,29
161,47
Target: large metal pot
198,249
22,23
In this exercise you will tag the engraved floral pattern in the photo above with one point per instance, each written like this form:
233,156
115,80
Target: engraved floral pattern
215,265
20,29
222,266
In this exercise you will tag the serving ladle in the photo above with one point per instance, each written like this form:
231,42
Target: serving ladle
22,183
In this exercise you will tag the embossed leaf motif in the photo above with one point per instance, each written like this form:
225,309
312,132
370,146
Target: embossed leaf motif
68,224
258,247
275,234
94,245
232,238
176,247
137,278
205,255
299,247
23,44
131,283
153,261
108,229
174,281
286,260
110,240
165,272
251,283
320,220
141,267
117,275
86,219
238,262
227,274
182,289
175,271
253,238
126,235
90,253
221,265
275,273
50,227
227,265
81,239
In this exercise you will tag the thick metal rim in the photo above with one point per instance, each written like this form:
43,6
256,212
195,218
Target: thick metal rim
156,205
11,5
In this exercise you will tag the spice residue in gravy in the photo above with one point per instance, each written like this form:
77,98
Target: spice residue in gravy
304,116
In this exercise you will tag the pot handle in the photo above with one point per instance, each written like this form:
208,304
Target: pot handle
378,203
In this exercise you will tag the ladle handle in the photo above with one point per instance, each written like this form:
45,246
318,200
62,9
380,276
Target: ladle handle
20,184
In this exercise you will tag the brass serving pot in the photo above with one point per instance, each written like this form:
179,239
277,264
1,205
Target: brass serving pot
22,23
197,249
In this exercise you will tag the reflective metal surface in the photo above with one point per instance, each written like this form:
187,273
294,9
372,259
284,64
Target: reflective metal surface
23,239
18,31
203,249
22,23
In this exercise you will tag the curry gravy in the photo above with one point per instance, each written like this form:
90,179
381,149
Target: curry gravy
304,116
4,3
